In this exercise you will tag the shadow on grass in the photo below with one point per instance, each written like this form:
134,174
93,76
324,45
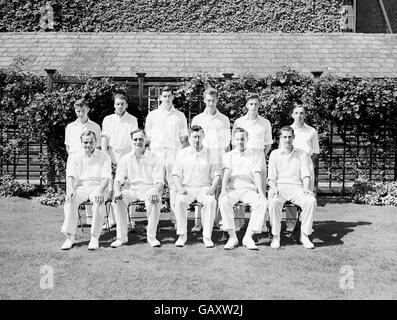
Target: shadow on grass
326,233
331,232
323,200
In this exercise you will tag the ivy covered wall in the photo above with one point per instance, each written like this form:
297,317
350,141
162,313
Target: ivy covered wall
172,15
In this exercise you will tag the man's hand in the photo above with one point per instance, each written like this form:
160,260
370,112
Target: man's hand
181,190
154,197
223,194
98,197
211,191
69,196
262,195
306,191
117,195
273,192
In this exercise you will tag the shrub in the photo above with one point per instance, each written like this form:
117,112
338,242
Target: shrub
9,187
54,197
375,193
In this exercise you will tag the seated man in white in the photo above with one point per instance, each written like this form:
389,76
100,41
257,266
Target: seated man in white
289,180
88,173
242,181
145,174
196,177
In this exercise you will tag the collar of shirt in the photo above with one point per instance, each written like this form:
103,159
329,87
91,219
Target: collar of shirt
165,111
212,116
244,153
295,127
123,117
284,151
250,120
78,123
94,154
194,152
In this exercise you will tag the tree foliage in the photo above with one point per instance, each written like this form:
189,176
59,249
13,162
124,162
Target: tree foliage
173,16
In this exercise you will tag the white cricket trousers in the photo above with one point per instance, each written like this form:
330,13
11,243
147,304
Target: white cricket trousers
258,208
121,211
82,194
295,195
182,201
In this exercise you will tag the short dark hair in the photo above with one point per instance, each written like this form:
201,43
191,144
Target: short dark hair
211,92
120,96
298,106
167,89
137,131
239,129
287,128
87,133
80,103
252,96
195,128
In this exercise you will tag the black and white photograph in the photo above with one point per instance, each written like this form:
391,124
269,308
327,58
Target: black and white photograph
198,157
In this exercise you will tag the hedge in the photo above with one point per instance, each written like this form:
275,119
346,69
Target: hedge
174,15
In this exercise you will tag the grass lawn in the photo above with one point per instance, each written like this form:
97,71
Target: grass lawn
362,237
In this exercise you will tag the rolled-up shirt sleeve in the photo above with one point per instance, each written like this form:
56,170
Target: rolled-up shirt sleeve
105,128
121,171
71,166
226,134
257,163
148,126
227,161
183,132
215,170
158,171
67,135
268,134
305,167
315,145
177,168
272,169
106,170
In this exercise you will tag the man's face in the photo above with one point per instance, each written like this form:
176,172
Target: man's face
196,139
88,143
120,105
138,140
299,114
252,106
166,97
81,112
241,140
210,101
287,139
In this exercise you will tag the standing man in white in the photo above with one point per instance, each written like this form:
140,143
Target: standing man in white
242,181
145,175
259,132
88,173
116,139
196,177
73,133
216,128
306,139
289,180
74,129
166,132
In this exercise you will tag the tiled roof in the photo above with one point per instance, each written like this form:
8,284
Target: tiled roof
185,54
